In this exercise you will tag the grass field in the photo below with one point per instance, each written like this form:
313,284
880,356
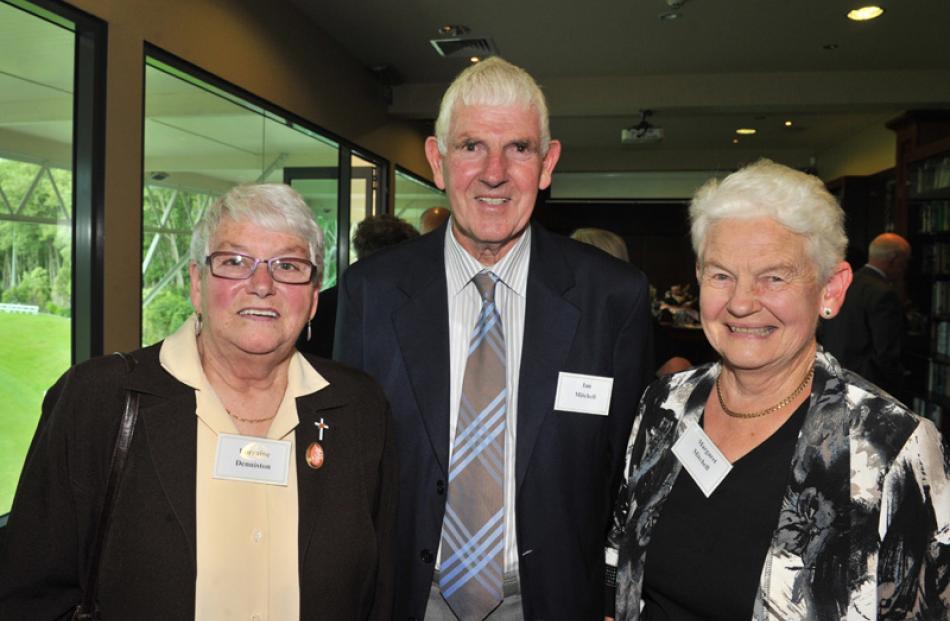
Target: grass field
34,352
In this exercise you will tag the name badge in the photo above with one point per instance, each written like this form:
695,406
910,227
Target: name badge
702,459
251,459
586,394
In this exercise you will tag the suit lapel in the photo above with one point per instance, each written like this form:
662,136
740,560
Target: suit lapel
549,326
323,404
422,329
170,427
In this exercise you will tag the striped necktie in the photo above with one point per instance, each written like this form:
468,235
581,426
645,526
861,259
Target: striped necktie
473,531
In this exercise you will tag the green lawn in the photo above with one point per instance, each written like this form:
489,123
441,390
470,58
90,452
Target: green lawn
34,352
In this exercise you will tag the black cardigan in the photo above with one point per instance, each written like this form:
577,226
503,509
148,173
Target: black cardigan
148,566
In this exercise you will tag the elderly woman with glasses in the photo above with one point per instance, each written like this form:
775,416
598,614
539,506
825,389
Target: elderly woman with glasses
259,483
774,484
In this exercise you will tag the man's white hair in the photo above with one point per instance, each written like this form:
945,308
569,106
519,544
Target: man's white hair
492,82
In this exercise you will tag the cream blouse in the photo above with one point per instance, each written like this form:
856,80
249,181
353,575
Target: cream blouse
246,533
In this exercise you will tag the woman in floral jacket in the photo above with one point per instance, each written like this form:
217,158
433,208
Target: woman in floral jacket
775,484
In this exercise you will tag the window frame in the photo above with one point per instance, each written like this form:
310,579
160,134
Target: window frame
87,173
346,148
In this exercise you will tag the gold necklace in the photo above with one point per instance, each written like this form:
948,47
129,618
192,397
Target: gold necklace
251,420
778,406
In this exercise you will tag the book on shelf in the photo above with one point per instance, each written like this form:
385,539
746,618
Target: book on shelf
934,217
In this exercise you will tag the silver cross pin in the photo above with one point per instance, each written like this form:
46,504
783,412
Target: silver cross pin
322,426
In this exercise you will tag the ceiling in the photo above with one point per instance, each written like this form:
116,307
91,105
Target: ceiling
720,66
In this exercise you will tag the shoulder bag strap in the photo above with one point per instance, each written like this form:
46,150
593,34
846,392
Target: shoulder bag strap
87,608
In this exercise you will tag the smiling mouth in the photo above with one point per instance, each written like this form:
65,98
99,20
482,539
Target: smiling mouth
488,200
253,312
763,331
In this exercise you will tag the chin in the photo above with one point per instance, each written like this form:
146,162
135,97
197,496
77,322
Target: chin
745,359
263,346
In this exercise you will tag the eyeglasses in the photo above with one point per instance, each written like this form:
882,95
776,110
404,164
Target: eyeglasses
236,266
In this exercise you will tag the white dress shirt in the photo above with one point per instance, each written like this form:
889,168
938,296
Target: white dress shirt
464,306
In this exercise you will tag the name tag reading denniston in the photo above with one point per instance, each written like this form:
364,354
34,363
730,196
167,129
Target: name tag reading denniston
587,394
702,459
252,459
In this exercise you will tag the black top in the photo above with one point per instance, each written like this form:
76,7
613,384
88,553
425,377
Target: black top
705,557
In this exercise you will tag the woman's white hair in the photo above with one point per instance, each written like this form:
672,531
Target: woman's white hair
764,189
272,206
492,82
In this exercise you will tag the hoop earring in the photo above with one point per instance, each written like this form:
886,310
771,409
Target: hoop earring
826,312
197,324
308,331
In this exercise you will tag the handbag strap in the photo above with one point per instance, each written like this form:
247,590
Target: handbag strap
87,608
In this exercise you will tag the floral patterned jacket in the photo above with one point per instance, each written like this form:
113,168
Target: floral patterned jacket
864,528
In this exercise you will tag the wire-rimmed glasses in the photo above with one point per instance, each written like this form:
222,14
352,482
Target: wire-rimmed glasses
237,266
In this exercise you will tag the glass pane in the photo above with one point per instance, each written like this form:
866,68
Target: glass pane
321,195
362,194
413,197
36,127
199,142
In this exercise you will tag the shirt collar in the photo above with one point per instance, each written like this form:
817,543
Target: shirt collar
179,356
878,270
512,270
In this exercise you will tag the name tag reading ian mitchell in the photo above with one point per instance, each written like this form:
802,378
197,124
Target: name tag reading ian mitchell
255,460
586,394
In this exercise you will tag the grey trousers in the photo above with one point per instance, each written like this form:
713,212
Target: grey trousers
509,610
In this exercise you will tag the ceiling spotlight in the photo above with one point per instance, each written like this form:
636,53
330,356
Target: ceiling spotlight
674,12
452,30
474,59
735,141
788,123
745,131
865,13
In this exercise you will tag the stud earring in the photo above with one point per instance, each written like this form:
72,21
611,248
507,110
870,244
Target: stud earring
826,312
197,324
308,331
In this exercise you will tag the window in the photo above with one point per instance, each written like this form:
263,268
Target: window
414,196
200,140
49,177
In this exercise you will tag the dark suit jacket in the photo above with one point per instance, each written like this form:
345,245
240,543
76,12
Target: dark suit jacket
322,327
586,313
347,508
865,336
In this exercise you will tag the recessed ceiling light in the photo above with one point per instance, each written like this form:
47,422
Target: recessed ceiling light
865,13
474,59
735,141
669,16
452,30
788,123
745,131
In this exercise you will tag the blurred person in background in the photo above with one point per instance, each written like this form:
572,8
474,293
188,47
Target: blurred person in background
372,234
866,335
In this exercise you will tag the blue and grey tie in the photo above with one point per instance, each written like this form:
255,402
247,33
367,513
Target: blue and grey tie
473,531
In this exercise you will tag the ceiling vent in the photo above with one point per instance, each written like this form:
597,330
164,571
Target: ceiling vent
464,47
643,132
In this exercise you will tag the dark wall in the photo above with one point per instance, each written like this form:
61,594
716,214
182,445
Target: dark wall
656,232
868,204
